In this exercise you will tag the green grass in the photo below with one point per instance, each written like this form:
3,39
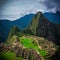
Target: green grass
30,43
9,56
19,58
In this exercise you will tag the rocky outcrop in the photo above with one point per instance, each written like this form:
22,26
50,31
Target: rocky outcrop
34,55
25,53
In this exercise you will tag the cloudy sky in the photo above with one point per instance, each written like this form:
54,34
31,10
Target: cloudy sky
14,9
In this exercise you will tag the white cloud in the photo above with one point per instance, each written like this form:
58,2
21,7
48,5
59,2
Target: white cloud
14,9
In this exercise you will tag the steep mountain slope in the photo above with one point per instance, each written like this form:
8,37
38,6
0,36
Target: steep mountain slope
42,27
16,32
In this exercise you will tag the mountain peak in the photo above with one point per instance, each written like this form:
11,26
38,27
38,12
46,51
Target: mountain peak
42,27
39,13
14,31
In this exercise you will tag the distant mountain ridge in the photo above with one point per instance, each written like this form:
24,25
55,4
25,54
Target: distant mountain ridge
53,17
20,23
6,25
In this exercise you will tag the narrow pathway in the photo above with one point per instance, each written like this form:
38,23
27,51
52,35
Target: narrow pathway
36,39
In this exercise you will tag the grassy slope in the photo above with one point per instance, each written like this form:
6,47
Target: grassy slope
9,56
30,43
19,58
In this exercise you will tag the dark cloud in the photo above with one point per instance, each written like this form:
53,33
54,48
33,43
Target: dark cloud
57,2
3,2
50,4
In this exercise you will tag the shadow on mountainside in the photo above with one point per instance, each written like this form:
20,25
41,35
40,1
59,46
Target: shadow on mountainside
56,56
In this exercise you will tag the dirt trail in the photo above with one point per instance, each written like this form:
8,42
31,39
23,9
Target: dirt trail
36,39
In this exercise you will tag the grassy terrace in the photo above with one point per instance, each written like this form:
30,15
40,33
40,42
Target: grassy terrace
9,56
26,42
30,43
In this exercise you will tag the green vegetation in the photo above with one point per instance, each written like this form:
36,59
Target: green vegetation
9,56
19,34
14,32
19,58
30,43
34,23
12,39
